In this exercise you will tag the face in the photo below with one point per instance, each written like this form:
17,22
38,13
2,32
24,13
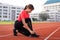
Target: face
29,10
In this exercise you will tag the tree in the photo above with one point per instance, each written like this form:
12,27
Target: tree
34,19
43,16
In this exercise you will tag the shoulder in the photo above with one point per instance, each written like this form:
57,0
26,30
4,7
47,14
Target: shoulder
23,12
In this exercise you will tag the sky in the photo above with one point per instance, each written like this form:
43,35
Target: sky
38,4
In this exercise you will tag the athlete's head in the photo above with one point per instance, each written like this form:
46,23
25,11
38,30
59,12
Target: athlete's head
29,8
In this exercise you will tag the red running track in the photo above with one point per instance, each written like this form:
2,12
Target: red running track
46,30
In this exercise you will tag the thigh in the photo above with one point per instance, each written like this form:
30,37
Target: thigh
17,25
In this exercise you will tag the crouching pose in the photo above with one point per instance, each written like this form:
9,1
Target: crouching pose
23,23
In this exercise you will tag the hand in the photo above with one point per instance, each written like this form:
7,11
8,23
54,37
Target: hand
32,32
25,25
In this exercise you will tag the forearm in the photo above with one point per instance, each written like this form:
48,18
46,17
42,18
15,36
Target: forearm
25,24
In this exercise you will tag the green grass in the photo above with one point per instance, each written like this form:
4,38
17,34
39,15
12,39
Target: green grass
40,22
6,22
12,22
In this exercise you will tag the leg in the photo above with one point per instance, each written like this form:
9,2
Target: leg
15,28
19,26
29,23
21,29
30,26
24,31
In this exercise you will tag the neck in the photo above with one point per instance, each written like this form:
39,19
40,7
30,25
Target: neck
26,11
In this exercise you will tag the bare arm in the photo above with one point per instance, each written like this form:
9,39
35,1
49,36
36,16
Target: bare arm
26,26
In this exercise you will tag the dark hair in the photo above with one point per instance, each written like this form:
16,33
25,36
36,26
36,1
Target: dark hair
30,6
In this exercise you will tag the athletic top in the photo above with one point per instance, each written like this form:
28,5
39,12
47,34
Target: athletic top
23,14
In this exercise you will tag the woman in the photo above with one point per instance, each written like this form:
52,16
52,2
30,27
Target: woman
23,23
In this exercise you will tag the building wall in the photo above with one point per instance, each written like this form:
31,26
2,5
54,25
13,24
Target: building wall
4,12
34,15
54,11
9,12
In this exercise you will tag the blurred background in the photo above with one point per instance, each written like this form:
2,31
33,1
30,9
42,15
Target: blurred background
45,10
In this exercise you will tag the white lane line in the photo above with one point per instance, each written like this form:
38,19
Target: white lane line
52,33
5,35
57,38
